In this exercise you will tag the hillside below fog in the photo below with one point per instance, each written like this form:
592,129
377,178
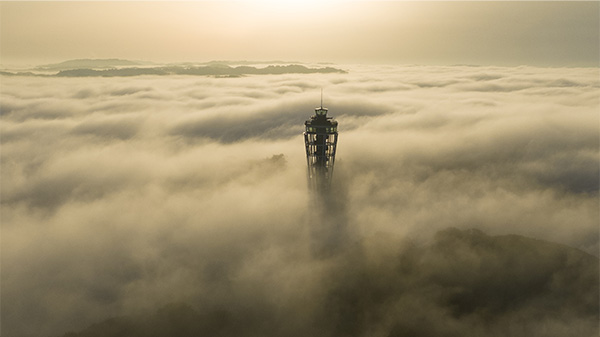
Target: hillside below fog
465,283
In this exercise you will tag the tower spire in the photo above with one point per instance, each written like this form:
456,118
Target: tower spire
321,97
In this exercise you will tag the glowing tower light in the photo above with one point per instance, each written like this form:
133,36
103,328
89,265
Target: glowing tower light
320,140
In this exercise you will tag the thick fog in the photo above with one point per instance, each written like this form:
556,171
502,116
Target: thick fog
123,195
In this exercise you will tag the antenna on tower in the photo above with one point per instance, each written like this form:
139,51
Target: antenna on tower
321,97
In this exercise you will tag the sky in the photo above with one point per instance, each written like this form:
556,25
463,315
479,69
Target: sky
389,32
464,201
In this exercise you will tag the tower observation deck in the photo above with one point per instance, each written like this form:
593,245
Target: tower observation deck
320,140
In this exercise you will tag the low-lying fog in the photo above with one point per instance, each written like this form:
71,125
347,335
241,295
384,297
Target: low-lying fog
122,195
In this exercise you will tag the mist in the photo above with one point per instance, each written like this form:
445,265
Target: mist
465,203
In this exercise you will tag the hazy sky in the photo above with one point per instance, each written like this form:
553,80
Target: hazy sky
498,33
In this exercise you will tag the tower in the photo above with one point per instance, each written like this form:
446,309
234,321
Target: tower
320,140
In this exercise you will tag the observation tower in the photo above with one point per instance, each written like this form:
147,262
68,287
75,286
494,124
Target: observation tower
320,140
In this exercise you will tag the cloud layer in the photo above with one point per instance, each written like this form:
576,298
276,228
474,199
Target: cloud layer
120,195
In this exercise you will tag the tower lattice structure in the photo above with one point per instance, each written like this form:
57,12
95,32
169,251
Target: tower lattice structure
320,140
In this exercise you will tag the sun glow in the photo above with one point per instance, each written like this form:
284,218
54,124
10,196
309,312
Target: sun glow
300,7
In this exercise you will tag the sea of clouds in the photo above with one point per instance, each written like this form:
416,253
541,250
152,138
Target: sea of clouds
121,195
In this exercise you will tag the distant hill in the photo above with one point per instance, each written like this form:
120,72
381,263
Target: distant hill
245,63
119,68
90,63
216,70
465,283
28,73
